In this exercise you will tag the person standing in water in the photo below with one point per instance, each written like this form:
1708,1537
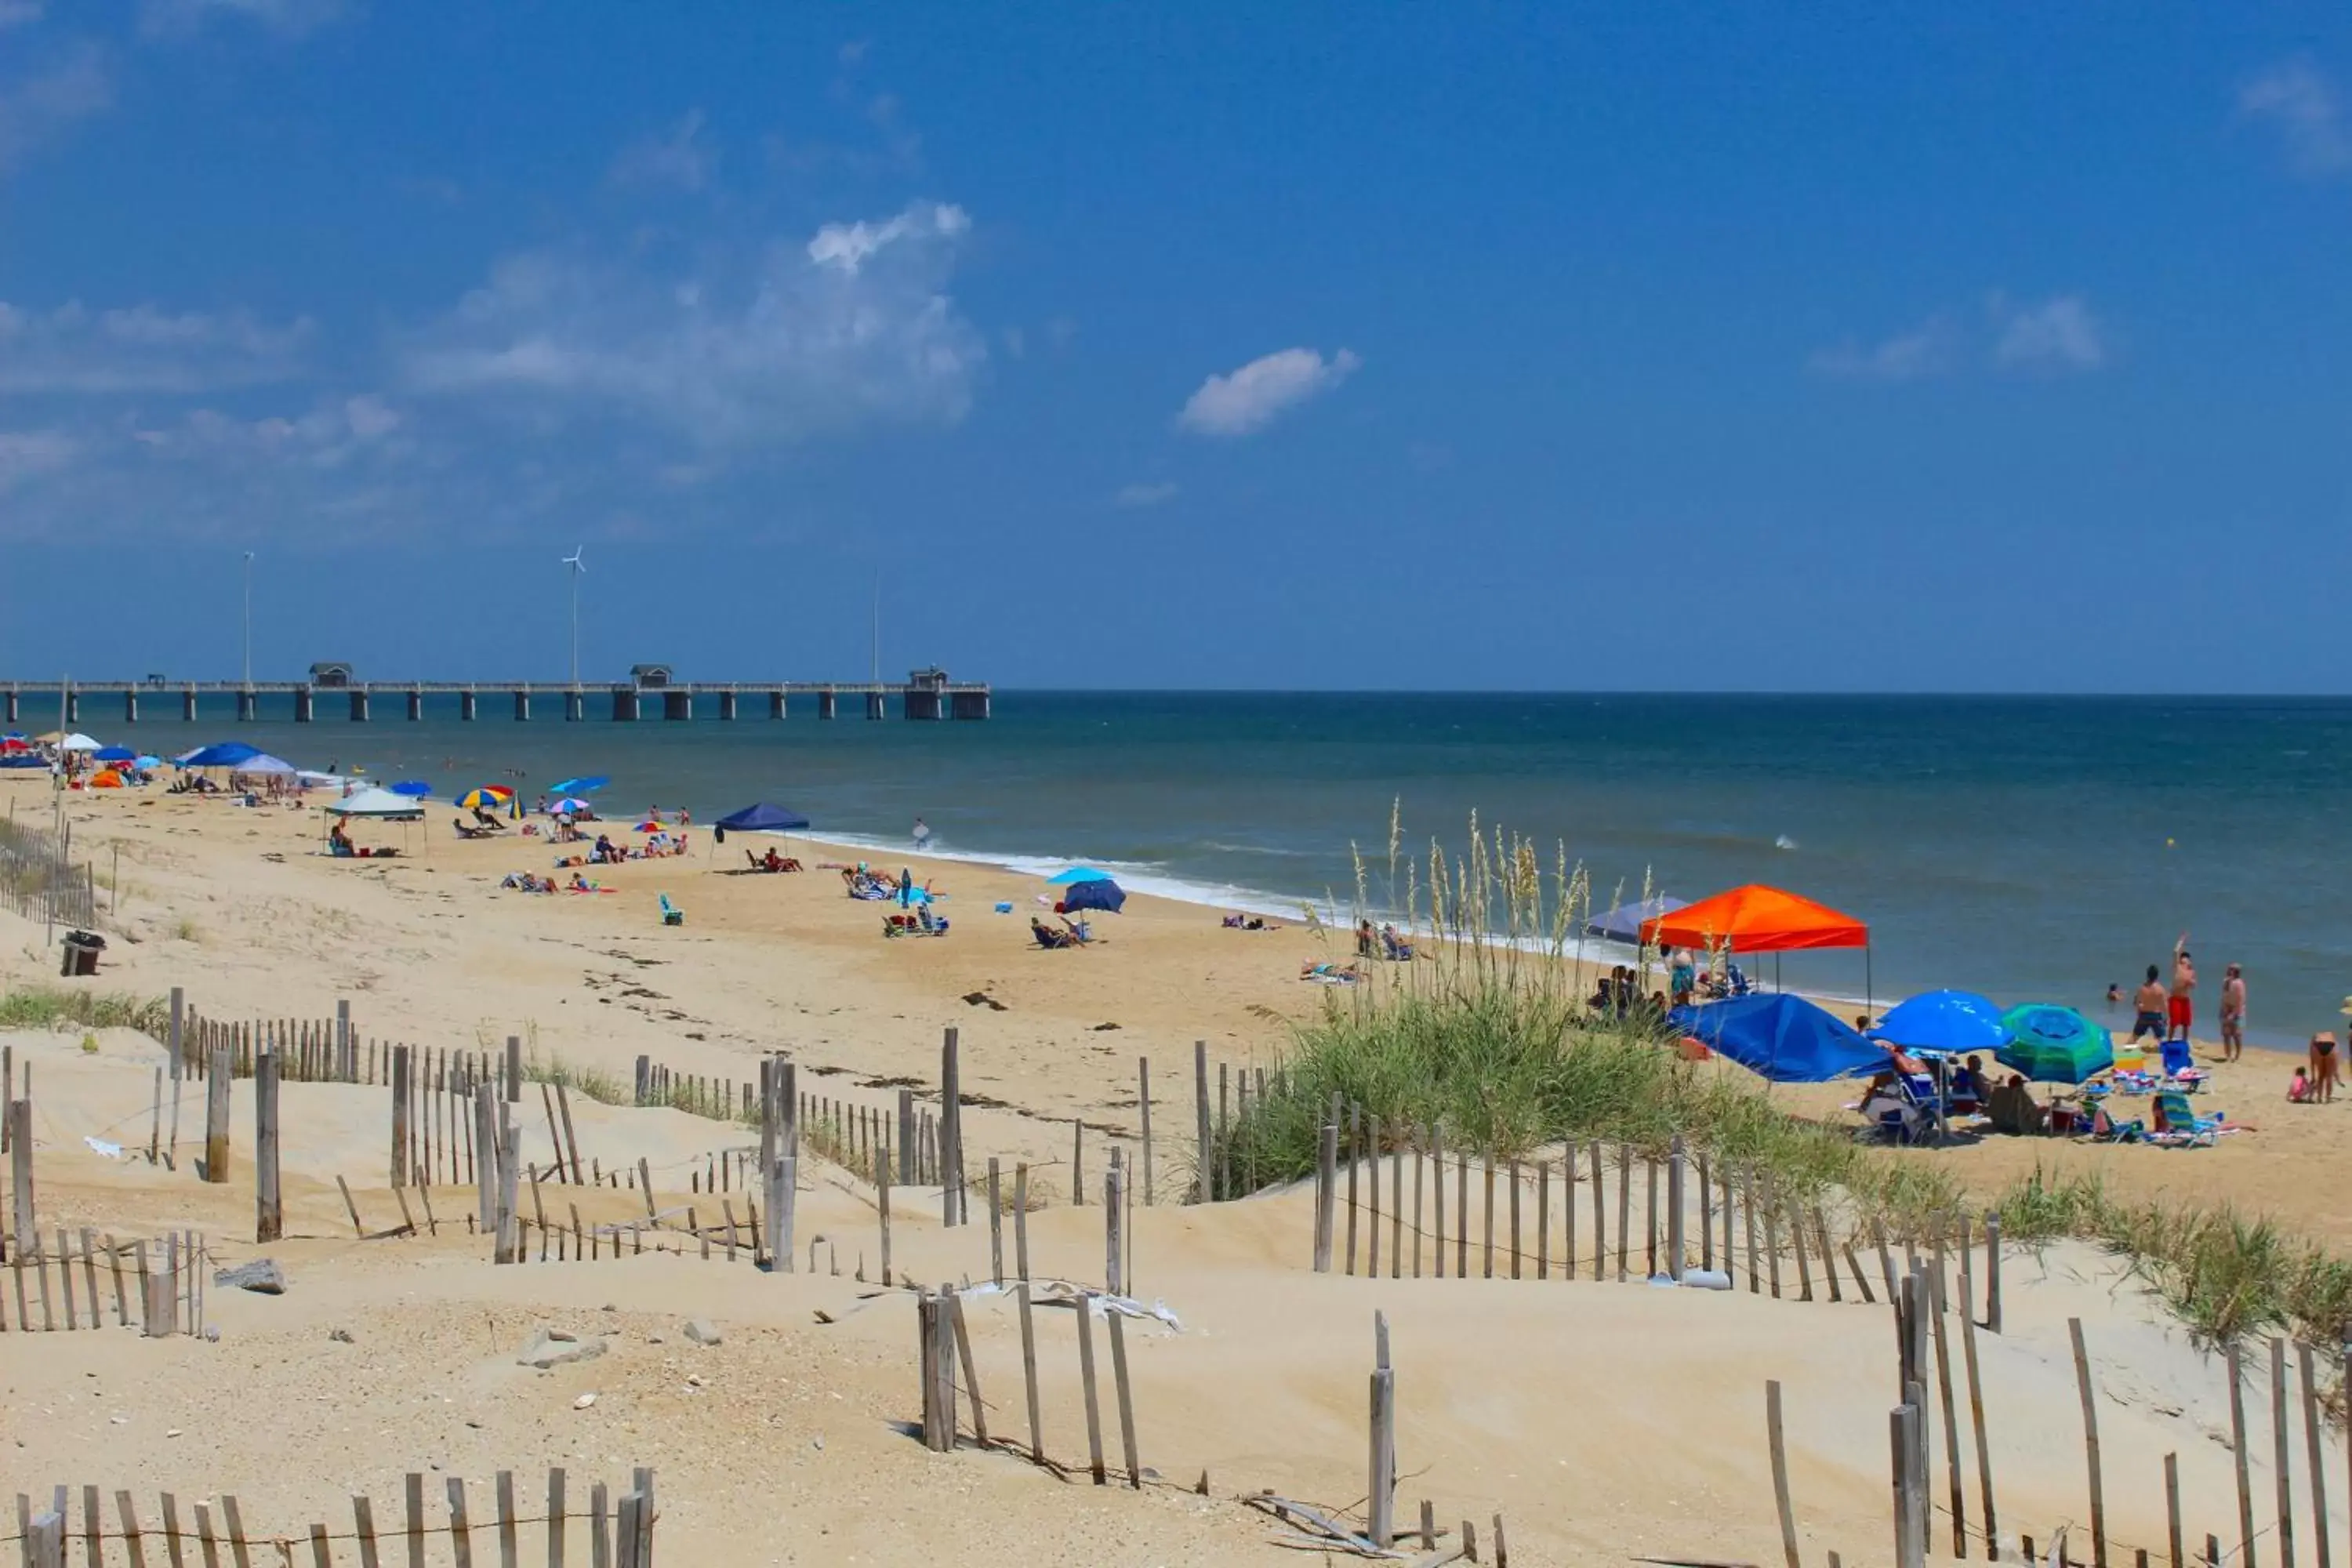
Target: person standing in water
922,835
2234,1013
2180,1011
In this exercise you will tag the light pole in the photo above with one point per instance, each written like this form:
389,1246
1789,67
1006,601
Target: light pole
578,568
248,620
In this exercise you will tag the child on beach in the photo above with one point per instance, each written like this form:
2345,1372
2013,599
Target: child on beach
2299,1087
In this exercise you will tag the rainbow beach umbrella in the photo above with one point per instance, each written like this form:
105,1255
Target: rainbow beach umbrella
488,797
2050,1044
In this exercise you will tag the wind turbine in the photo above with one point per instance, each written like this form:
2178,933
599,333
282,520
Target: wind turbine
579,569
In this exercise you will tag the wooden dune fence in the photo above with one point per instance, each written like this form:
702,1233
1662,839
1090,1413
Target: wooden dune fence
156,1287
1938,1435
492,1524
1400,1202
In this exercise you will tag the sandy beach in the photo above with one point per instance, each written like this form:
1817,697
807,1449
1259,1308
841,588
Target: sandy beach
785,1443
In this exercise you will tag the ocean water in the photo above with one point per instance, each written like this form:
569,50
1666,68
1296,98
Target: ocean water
2031,849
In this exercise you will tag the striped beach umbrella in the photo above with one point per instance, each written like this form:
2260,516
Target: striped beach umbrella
488,797
2051,1043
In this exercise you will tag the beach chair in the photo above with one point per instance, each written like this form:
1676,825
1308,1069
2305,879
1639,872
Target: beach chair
2177,1059
2179,1126
671,914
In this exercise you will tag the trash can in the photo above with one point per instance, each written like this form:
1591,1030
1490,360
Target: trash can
80,954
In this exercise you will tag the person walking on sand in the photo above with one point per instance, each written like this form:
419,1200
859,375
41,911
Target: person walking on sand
2180,1012
2234,1013
2148,1008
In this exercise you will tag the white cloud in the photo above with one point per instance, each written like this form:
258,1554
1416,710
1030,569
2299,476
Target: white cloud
1926,350
326,437
2059,334
677,158
1140,494
852,327
291,17
27,455
848,246
2302,103
1252,396
73,350
44,105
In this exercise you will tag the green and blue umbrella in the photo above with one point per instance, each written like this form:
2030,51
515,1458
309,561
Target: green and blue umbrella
2051,1043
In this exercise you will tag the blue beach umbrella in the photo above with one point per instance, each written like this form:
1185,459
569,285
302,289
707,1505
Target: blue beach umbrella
579,786
415,787
1077,874
1946,1021
221,754
147,762
114,754
1096,893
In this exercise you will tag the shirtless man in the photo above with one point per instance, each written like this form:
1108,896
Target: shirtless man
2147,1007
2234,1013
2178,1010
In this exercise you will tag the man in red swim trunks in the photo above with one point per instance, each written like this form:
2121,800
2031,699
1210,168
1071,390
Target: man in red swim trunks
2178,1010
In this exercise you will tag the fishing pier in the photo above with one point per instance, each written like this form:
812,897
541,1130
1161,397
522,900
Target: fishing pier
650,689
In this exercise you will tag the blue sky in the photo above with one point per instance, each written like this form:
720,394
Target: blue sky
2000,347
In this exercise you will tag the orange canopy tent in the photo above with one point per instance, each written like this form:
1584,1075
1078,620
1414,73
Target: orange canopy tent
1756,918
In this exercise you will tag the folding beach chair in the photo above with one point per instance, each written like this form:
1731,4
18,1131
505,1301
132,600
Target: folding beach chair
671,914
2182,1128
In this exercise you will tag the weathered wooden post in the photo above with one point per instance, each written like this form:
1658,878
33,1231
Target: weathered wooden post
2091,1445
1143,1100
270,1218
907,1174
2283,1453
1203,1191
20,1179
514,1070
216,1119
179,1068
400,1097
509,1218
1114,1217
1379,1513
486,1168
1675,1161
951,1199
1327,1185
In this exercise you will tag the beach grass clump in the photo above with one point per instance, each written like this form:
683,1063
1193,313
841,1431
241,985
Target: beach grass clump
1484,1039
54,1007
2223,1273
588,1082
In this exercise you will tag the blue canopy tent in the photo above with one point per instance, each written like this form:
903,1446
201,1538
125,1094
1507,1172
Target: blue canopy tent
1098,893
1782,1038
1625,922
762,817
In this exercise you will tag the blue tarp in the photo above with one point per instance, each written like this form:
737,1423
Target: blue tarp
1947,1021
1625,922
1781,1038
1101,893
225,754
762,817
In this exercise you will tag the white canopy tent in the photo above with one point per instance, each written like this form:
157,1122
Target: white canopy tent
374,806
